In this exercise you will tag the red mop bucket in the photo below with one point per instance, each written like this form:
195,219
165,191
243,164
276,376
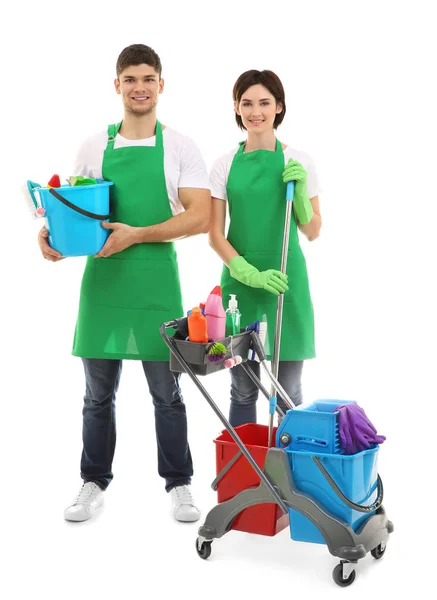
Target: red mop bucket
263,519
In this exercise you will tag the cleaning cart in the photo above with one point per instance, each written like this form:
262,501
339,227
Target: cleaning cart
294,475
316,487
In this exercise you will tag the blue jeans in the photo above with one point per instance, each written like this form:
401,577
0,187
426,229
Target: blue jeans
244,393
99,432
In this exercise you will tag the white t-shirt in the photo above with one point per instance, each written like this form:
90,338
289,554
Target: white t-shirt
184,166
220,172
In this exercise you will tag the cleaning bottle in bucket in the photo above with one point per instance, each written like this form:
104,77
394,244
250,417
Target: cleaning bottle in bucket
215,315
233,316
197,327
55,182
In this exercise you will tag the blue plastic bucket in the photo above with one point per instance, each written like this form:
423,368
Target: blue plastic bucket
74,215
356,477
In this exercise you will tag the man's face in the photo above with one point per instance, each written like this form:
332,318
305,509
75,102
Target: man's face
139,87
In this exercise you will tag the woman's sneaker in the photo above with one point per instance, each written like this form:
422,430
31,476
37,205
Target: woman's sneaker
184,508
89,499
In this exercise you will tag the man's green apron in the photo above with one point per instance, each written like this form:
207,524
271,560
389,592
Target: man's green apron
126,297
256,198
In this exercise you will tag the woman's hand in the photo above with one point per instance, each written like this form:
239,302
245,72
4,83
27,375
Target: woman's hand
270,280
303,209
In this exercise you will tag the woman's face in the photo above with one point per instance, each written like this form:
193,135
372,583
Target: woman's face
258,109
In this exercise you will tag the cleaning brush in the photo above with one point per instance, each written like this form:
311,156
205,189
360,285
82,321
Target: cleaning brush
261,329
29,197
216,352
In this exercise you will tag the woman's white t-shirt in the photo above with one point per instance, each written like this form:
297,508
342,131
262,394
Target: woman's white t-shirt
184,166
218,178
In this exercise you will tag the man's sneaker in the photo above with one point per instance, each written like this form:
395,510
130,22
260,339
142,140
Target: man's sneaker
88,500
183,504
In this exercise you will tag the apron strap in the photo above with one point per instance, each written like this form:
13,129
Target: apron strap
159,141
112,132
243,144
241,147
114,129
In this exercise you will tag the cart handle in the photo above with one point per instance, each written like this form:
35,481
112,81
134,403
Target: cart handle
175,351
365,509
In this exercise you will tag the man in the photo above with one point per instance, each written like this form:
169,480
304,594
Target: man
131,286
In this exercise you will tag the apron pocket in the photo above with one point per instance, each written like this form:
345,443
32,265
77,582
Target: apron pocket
136,284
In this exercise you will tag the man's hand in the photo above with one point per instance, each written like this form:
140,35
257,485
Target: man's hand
121,237
46,249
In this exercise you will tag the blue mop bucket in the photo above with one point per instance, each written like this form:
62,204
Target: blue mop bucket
346,485
74,215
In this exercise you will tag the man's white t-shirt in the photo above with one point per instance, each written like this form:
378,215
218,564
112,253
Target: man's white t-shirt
184,166
220,172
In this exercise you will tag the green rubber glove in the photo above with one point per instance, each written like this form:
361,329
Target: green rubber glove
303,208
273,281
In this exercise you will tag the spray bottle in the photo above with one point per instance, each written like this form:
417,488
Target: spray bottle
233,316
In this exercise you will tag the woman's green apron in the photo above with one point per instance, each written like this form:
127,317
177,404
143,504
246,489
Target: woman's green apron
126,297
256,198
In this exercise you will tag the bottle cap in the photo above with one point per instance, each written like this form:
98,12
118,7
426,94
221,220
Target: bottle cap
54,182
233,303
217,290
196,311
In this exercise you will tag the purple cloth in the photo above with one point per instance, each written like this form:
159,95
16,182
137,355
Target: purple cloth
356,432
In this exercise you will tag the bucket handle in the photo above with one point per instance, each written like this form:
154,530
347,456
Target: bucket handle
365,509
83,212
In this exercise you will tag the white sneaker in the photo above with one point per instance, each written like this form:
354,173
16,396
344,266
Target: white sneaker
183,504
89,499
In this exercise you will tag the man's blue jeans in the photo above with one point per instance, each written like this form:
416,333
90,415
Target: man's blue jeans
244,393
99,432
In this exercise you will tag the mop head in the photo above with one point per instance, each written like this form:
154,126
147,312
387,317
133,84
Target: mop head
216,353
356,431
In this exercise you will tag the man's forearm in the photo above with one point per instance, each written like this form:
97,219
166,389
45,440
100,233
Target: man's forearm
180,226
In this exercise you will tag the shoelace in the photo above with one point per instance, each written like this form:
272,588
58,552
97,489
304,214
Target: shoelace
87,494
184,495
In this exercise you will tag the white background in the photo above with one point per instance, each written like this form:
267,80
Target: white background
359,80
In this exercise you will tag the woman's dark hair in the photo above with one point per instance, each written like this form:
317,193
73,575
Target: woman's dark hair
270,81
138,54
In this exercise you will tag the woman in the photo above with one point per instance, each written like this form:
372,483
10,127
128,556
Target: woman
252,179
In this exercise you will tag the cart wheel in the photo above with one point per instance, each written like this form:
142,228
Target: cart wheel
205,549
337,575
378,552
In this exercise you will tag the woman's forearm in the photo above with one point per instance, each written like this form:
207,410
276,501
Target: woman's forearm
224,249
312,229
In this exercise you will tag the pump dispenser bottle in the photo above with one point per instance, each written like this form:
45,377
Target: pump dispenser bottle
233,316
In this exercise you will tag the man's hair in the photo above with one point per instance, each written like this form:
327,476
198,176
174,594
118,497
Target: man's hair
270,81
138,54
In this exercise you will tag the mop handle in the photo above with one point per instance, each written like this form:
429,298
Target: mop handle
279,308
277,341
290,191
